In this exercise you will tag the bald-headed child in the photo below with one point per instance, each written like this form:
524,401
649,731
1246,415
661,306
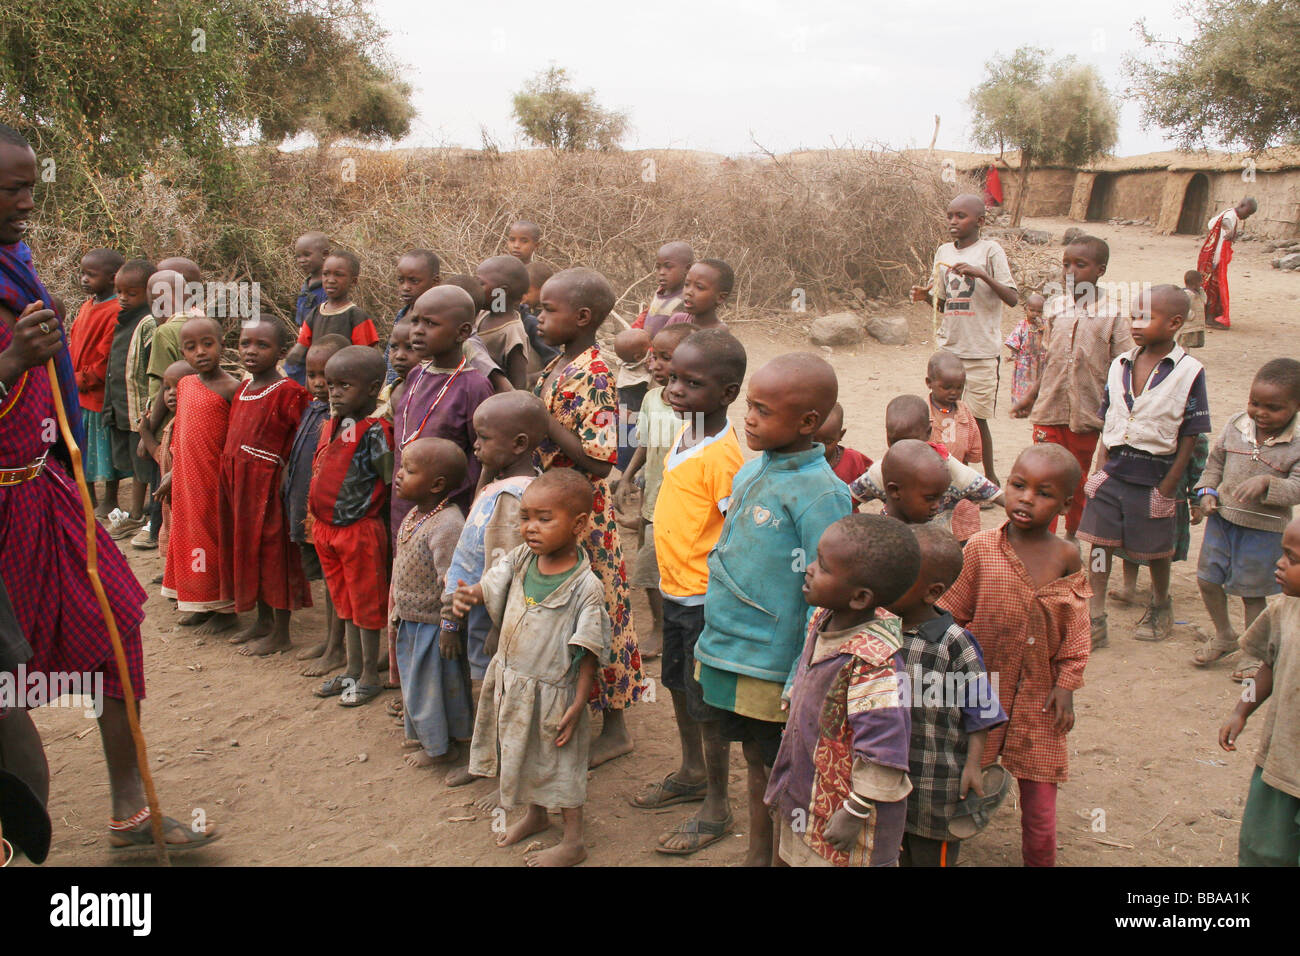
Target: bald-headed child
952,423
500,327
535,732
1023,594
418,271
847,463
578,391
672,262
972,280
351,471
508,429
309,252
754,609
329,654
916,479
192,573
702,461
475,352
1155,405
949,729
839,786
435,687
443,390
908,417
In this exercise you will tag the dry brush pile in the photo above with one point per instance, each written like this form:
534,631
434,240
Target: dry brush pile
843,226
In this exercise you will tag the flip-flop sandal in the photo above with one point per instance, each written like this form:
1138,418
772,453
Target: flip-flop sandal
667,792
138,833
973,812
704,833
1202,656
1246,672
361,694
335,686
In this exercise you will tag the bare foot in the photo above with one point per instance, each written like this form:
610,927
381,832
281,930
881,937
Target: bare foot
217,623
653,646
255,630
311,651
323,665
194,618
266,646
614,740
534,821
460,777
489,802
409,744
562,854
421,759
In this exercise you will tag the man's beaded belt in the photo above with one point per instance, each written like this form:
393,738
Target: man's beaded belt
17,476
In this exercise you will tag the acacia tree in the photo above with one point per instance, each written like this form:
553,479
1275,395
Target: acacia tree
1232,83
104,88
551,113
1051,113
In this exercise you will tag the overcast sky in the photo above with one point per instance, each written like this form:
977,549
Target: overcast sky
720,75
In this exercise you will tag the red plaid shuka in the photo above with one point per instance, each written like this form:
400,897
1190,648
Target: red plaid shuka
43,551
1214,278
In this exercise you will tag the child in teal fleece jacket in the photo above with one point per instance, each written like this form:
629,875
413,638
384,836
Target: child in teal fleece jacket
755,616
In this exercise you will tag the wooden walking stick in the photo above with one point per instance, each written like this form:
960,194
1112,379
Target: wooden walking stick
119,654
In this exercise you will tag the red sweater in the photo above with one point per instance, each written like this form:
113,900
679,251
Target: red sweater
89,341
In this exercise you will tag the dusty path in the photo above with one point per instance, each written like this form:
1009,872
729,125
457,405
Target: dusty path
295,780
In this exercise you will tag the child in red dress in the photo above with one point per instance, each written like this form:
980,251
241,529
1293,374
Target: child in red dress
260,566
351,471
192,575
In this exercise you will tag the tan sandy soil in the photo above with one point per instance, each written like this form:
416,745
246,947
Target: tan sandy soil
295,780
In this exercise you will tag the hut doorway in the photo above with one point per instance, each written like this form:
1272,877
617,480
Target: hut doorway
1102,187
1196,201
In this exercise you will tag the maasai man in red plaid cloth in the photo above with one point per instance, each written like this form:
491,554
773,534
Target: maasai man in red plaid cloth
42,534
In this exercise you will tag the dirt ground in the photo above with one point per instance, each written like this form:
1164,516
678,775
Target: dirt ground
294,780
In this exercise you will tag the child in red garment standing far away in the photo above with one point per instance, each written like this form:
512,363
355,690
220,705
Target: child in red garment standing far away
1023,595
260,567
846,462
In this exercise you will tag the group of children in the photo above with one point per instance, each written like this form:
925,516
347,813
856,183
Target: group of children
886,675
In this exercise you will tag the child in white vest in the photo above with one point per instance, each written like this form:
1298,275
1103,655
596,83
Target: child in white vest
1155,405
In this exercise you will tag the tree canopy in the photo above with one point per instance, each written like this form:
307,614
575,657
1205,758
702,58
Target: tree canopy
551,113
1052,113
1232,83
109,86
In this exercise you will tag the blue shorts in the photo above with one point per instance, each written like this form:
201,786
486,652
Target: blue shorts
1239,560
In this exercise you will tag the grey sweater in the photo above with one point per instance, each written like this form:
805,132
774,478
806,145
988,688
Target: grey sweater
1236,456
